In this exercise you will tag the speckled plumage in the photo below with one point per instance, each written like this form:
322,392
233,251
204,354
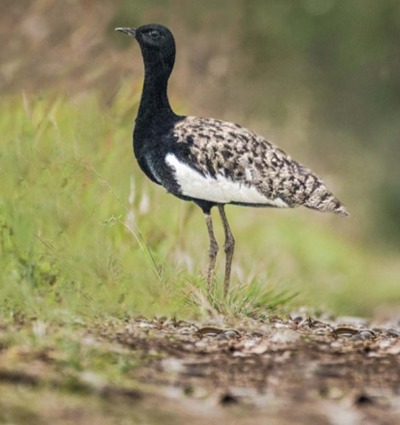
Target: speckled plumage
223,148
212,162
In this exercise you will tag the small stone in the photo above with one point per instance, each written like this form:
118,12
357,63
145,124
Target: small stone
344,332
393,333
186,331
230,333
321,331
210,331
145,325
364,335
222,337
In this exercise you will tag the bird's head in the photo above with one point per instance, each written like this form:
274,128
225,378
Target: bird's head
156,43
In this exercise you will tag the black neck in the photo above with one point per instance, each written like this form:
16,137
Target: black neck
154,103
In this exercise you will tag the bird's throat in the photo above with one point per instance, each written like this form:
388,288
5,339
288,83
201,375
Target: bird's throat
154,103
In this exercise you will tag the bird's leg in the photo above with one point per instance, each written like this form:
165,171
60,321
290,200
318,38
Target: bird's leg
212,252
229,248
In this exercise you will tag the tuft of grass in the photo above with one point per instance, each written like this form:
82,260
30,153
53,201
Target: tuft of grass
256,299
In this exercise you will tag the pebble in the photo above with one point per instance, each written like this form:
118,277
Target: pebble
231,334
364,335
187,331
393,333
222,337
322,331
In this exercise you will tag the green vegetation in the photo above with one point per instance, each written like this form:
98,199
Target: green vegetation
83,234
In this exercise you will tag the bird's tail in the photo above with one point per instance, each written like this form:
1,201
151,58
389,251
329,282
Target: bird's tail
327,203
340,209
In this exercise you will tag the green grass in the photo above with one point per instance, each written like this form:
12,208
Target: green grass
83,234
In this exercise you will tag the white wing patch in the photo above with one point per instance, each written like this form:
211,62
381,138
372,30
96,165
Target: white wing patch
217,189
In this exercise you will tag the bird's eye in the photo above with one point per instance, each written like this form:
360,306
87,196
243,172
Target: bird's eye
154,34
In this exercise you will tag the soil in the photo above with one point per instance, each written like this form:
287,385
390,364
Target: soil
297,370
280,371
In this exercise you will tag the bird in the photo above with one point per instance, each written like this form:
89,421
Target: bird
211,162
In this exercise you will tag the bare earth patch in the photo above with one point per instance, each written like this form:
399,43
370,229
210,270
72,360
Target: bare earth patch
285,371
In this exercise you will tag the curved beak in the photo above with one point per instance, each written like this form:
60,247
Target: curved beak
128,31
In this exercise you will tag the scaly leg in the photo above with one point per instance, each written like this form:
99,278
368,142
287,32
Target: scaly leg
212,252
229,249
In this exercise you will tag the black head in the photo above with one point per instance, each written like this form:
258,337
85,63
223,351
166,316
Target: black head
157,44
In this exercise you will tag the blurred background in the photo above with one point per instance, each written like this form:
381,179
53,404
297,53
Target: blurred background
320,78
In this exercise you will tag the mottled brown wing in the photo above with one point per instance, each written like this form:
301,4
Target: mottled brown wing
219,148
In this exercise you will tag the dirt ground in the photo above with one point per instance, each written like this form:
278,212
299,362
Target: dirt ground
326,372
282,371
